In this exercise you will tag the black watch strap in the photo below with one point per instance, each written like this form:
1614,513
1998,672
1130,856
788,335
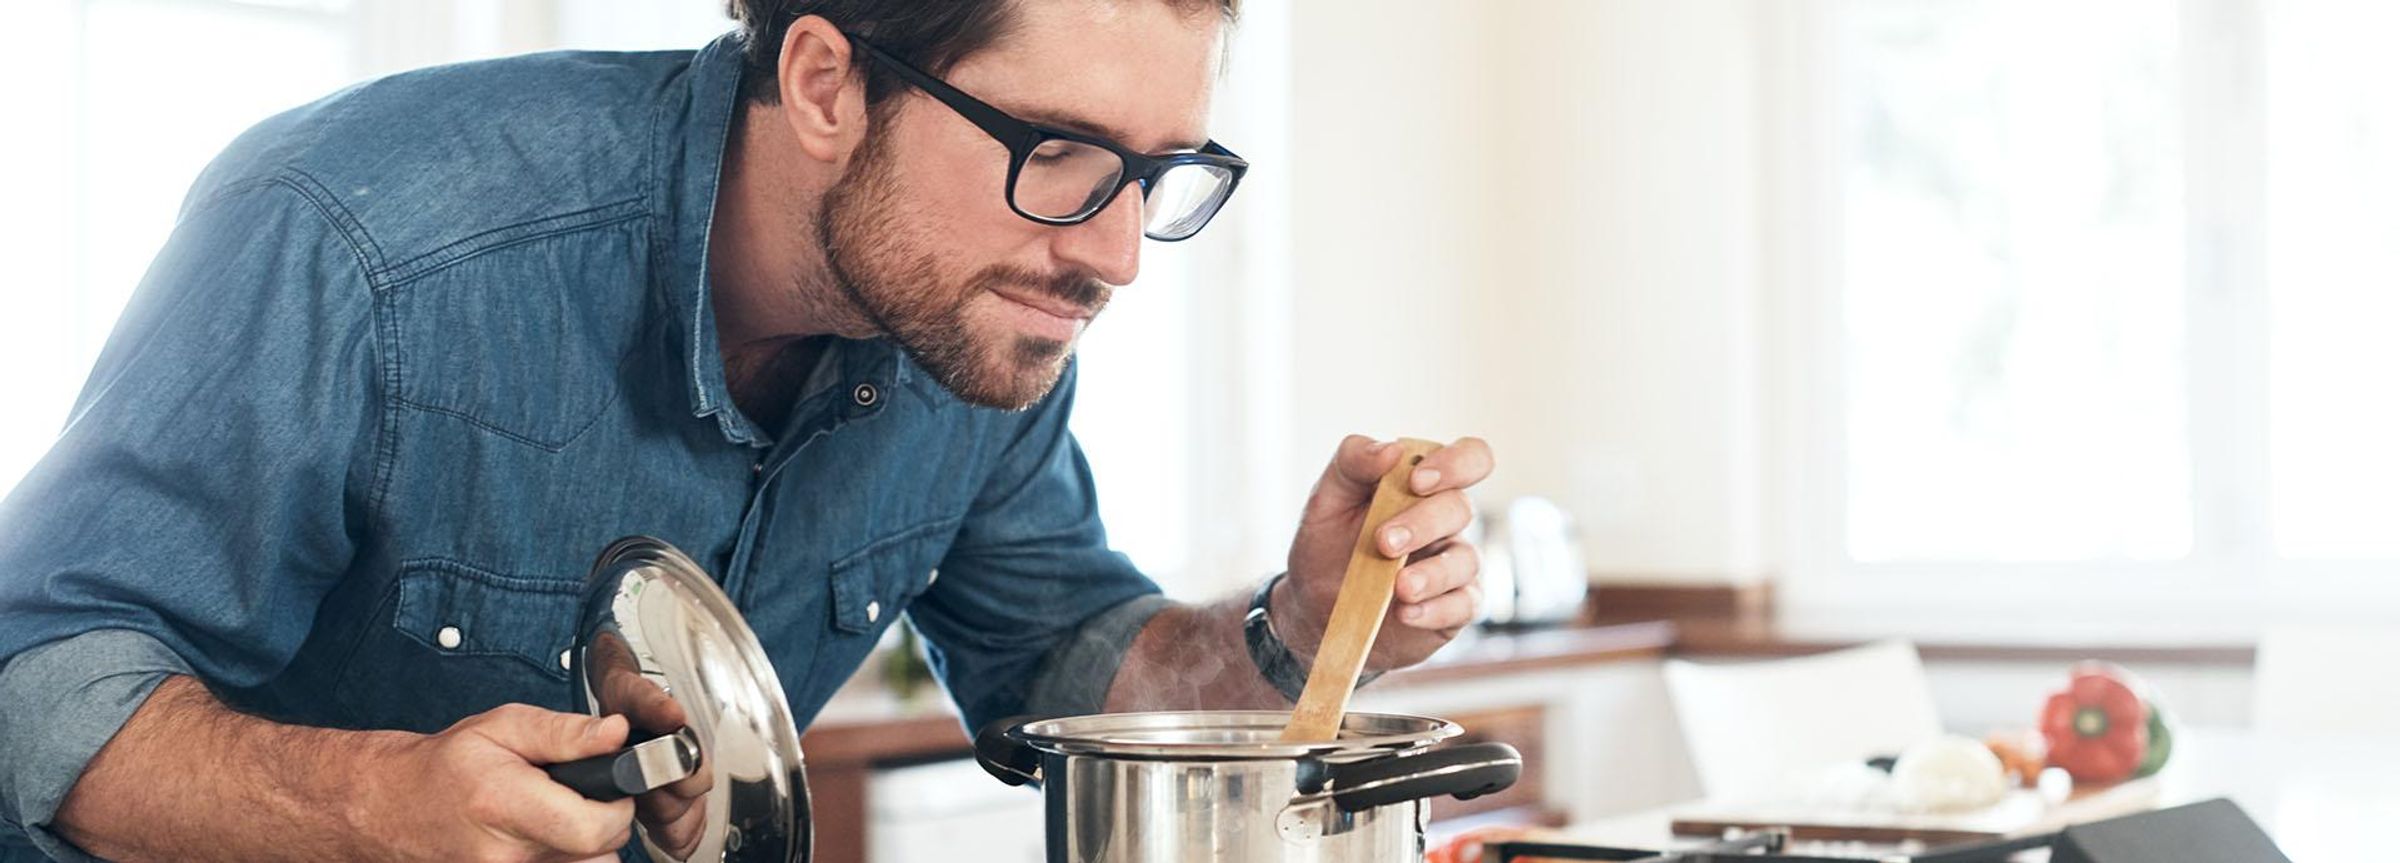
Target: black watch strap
1267,651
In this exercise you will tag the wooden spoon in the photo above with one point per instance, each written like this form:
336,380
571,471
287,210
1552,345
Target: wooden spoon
1358,609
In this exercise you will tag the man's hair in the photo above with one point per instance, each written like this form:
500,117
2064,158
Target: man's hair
933,35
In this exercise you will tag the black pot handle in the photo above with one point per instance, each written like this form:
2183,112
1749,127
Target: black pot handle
648,762
1002,756
1464,772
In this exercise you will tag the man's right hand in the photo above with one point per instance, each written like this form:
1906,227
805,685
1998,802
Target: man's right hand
476,791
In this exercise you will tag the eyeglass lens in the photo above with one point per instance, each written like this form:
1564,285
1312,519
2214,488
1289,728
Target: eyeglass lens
1065,180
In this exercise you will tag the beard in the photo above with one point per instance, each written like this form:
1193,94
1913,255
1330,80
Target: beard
883,261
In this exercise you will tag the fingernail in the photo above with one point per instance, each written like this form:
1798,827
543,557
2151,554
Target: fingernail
1416,587
1377,446
1395,539
1425,479
597,725
1411,613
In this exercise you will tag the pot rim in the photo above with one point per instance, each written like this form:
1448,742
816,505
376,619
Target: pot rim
1123,735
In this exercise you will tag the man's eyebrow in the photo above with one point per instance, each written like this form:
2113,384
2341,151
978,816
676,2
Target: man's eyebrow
1057,120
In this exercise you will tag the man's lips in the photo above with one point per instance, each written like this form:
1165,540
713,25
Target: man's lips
1052,306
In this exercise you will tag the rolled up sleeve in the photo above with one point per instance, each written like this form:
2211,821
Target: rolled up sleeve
1033,612
65,700
204,495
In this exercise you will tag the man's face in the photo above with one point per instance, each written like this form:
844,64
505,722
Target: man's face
919,231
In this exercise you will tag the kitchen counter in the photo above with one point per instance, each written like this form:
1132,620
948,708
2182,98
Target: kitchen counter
865,727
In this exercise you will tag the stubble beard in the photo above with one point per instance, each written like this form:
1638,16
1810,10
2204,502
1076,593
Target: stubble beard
891,277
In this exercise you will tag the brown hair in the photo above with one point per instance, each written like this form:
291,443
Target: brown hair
933,35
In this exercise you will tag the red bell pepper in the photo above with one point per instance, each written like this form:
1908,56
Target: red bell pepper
2098,729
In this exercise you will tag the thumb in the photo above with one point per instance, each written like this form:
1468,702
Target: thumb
549,737
1349,480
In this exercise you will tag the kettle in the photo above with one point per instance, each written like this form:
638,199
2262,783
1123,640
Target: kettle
1533,568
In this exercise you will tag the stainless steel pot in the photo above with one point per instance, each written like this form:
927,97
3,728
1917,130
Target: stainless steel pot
1218,785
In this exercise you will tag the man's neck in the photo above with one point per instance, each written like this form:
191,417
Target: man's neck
771,288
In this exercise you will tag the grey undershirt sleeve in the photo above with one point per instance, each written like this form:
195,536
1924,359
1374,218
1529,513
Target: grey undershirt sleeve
1075,675
59,703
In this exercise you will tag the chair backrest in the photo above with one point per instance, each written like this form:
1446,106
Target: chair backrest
1754,728
2327,680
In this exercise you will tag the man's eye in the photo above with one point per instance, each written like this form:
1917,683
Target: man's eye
1051,152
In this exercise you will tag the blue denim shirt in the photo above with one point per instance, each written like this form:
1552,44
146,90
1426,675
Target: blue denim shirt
415,353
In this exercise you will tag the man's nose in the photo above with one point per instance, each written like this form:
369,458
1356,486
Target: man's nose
1109,246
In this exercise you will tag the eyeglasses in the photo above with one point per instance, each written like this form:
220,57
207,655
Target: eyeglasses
1057,177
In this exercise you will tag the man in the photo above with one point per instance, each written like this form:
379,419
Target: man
296,579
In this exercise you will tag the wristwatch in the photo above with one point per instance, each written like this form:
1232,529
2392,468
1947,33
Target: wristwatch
1267,651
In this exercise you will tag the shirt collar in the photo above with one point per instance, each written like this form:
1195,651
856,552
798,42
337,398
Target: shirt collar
694,124
691,130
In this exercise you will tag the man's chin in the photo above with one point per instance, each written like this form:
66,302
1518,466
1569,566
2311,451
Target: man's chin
1010,379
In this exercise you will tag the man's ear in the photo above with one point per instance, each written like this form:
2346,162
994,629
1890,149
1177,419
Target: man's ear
824,99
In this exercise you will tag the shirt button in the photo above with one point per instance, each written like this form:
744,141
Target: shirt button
566,659
865,395
930,576
448,638
874,610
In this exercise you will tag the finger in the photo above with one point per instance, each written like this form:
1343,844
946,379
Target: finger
680,834
642,701
1445,612
1349,479
1424,523
1451,568
670,801
1463,463
548,736
545,813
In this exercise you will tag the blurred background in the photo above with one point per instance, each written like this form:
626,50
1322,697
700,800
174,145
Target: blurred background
1998,326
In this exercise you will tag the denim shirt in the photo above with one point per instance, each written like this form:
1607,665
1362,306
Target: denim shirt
415,353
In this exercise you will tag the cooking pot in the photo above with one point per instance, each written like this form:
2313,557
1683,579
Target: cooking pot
1220,785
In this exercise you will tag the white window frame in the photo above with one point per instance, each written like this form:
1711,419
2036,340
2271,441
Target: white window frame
2232,577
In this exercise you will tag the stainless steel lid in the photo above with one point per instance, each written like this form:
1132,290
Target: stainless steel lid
661,643
1224,734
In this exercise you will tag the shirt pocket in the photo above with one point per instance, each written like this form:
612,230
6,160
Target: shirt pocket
462,610
459,640
872,585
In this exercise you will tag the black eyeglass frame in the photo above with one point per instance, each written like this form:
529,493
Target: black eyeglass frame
1021,137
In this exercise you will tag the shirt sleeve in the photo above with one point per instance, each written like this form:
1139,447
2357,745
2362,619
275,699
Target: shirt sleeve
1029,570
204,494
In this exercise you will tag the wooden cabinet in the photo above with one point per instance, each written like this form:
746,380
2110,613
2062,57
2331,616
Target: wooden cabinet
1521,727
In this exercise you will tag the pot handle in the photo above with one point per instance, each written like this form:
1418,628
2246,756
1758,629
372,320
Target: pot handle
1464,772
1002,756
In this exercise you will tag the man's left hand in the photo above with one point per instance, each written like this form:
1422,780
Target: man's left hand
1436,594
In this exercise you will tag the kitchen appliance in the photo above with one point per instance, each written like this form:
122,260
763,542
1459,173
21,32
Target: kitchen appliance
659,642
1220,785
1533,570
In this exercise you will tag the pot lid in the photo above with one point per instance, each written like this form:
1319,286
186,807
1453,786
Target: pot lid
1225,734
659,642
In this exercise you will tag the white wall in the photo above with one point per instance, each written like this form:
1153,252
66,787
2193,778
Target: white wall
1538,221
1388,172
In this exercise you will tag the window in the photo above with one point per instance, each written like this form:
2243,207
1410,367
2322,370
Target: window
2333,270
2013,250
2116,286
